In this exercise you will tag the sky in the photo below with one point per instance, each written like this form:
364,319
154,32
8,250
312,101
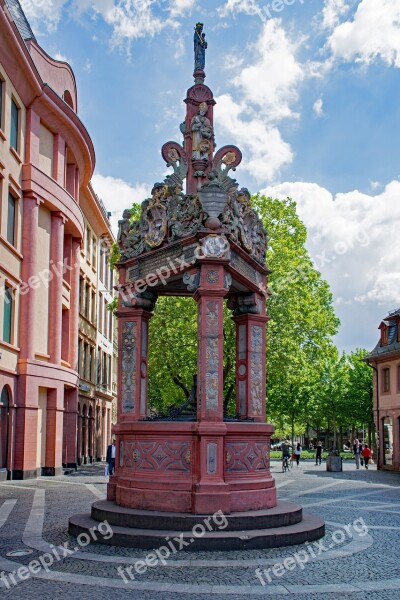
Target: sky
308,89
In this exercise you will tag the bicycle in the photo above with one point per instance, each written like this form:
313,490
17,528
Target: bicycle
286,464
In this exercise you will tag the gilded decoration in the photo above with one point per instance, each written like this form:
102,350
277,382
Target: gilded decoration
128,382
256,366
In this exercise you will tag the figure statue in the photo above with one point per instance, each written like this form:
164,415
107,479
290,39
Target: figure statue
202,134
200,46
123,228
156,216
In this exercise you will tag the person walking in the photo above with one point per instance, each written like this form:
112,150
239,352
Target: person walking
318,454
357,452
285,452
110,458
297,454
366,454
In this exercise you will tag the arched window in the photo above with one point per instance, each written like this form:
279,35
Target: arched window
68,99
4,419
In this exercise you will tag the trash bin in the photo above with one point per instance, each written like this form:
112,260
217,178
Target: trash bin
334,462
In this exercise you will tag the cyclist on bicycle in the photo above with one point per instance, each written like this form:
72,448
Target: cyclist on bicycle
286,453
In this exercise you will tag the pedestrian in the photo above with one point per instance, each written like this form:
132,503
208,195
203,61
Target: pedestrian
285,452
110,458
366,454
318,453
297,454
357,452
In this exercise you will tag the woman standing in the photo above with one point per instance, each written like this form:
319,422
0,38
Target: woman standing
297,454
318,453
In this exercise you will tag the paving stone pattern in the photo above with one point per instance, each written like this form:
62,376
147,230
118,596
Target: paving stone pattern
360,567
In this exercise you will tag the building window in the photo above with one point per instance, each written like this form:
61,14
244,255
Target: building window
94,253
105,382
88,243
81,295
384,336
87,301
85,360
14,125
93,318
386,380
8,315
101,258
11,212
80,357
110,324
398,378
105,322
2,88
99,365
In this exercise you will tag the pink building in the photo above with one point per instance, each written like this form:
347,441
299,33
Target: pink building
385,360
47,209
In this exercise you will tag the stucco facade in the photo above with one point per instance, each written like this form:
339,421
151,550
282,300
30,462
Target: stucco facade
385,360
47,205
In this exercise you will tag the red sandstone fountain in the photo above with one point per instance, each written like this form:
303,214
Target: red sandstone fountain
175,469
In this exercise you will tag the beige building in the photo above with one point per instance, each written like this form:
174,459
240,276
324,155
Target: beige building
385,360
56,338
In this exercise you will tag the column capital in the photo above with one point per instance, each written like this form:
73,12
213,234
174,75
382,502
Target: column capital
57,214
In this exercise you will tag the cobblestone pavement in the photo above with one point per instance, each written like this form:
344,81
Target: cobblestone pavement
358,559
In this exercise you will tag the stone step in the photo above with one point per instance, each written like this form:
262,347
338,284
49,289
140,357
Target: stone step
282,515
309,529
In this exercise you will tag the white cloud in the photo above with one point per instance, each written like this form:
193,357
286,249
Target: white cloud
47,12
353,240
268,89
333,11
373,33
351,234
318,107
271,79
264,150
181,8
62,58
248,7
118,195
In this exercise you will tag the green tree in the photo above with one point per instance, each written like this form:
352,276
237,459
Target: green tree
302,316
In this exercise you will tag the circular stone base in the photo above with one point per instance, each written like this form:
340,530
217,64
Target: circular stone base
284,525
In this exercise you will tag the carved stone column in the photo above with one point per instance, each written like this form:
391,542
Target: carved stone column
133,368
250,320
211,492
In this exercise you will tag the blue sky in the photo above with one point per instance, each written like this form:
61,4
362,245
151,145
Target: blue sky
309,91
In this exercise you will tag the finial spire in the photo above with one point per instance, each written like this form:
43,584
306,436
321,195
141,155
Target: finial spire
200,46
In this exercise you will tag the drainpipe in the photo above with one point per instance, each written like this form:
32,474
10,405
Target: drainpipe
377,414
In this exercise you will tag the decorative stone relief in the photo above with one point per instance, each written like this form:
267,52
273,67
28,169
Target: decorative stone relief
128,366
256,347
159,457
247,457
212,354
212,277
211,458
